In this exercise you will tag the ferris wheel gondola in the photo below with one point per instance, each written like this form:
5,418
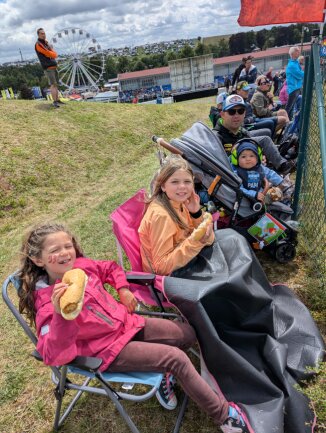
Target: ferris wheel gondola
80,59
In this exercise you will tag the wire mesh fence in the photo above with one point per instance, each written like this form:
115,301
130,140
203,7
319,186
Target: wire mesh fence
311,197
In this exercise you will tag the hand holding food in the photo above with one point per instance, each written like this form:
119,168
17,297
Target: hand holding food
200,231
71,302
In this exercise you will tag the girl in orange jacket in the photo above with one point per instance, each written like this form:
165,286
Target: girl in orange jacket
173,212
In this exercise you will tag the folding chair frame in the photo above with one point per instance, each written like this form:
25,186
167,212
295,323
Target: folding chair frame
89,367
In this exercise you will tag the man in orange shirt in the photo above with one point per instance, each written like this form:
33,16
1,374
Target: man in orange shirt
47,56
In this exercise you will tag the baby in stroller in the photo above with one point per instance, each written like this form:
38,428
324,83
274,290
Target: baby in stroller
258,182
219,187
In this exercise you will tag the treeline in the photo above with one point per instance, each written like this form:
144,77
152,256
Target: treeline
240,43
244,42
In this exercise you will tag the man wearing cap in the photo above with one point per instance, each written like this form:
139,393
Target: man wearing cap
250,121
229,130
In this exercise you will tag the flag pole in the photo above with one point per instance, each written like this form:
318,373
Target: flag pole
321,26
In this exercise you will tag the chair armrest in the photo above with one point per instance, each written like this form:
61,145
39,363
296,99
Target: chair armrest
86,363
141,279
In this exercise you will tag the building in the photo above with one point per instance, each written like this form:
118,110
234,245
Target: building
277,57
144,79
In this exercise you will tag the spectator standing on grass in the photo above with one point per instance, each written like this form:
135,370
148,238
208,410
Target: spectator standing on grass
294,79
276,83
269,73
249,72
237,72
47,56
227,83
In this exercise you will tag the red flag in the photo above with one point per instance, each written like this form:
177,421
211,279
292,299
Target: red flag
262,12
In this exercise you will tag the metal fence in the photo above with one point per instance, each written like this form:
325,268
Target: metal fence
310,195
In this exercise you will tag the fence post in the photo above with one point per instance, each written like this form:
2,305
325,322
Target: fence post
321,111
305,120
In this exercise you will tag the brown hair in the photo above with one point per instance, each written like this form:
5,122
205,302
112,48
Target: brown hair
29,273
38,30
170,166
260,78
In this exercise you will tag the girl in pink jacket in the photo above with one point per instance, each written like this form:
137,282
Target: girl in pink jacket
106,328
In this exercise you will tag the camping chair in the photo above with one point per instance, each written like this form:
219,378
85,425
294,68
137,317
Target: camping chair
64,377
125,222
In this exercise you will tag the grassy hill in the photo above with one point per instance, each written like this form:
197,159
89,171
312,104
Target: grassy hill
214,40
76,165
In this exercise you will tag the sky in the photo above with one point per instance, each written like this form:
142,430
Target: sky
113,23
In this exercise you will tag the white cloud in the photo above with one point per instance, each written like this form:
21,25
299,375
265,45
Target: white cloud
113,23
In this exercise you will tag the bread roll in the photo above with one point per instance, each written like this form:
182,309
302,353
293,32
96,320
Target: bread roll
200,231
71,302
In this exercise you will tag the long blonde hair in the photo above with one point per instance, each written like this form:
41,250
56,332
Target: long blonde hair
29,273
170,166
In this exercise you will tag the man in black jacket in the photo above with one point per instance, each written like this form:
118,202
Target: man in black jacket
47,56
229,130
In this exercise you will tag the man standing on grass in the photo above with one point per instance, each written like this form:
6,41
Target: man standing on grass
294,79
47,56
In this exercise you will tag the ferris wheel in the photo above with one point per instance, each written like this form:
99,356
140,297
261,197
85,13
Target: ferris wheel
80,59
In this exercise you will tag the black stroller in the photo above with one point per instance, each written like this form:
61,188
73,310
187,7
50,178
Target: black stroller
216,181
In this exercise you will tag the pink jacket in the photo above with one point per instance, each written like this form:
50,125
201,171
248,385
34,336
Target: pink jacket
284,96
103,327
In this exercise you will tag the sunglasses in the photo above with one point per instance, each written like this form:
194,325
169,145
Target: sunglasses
264,82
233,111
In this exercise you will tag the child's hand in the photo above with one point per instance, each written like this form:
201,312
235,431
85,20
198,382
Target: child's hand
127,299
261,197
58,291
207,235
193,203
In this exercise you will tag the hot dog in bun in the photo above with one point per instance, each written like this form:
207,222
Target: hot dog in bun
71,302
200,231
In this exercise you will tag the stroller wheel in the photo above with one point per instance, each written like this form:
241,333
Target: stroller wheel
285,252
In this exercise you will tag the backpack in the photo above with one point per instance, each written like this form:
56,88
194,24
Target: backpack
214,115
289,146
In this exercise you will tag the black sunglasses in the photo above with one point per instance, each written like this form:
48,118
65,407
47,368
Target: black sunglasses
232,111
263,82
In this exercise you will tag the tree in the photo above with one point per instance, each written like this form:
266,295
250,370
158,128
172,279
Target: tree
110,67
223,48
200,49
250,40
215,50
170,55
138,66
261,36
186,52
282,36
123,64
237,43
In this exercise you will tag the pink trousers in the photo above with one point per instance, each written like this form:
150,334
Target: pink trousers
159,347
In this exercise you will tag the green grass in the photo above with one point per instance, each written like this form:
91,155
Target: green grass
76,165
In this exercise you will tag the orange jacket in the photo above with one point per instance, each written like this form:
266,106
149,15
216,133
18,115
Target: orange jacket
46,54
166,247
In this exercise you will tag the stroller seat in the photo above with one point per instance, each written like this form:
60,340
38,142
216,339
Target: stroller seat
215,180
